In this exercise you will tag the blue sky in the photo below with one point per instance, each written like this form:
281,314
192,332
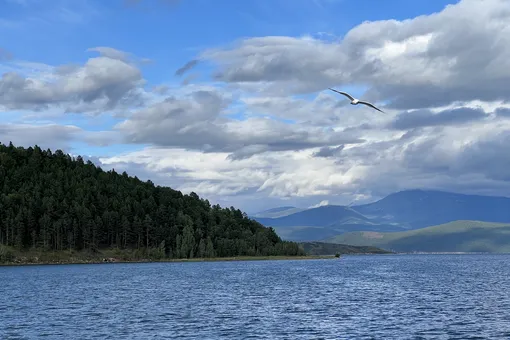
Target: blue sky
273,137
59,32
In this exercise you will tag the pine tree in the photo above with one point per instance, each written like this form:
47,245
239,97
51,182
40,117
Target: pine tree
201,249
53,201
209,249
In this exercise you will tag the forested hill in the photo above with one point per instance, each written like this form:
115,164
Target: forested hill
55,202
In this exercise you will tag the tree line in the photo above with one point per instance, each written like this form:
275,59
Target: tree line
56,202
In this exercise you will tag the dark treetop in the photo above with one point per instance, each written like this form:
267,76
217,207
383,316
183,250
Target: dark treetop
52,201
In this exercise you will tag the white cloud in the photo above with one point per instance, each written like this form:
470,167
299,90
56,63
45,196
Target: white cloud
320,204
441,78
103,83
449,158
459,54
196,121
51,135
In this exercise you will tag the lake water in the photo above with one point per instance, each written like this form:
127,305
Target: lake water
355,297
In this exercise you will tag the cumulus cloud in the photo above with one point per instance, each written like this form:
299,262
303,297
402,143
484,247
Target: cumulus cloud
49,135
320,204
53,136
196,122
111,53
423,118
323,110
327,151
461,53
272,176
469,159
258,134
103,83
502,112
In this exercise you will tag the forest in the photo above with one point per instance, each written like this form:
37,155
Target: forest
52,201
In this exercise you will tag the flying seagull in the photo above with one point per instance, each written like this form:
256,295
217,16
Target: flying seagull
355,101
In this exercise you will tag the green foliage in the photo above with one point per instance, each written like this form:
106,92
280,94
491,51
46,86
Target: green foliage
6,254
54,202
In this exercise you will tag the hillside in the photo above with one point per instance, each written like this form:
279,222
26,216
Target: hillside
401,211
323,248
415,209
54,202
322,222
458,236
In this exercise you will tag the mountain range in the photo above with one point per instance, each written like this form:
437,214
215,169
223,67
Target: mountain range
400,212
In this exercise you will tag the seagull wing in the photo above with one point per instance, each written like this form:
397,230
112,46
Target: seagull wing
345,94
371,105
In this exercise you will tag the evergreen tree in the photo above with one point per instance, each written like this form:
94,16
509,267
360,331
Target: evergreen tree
55,202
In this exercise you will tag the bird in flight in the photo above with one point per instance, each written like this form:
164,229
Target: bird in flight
355,101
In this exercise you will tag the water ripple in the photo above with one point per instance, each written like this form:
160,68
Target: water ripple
366,297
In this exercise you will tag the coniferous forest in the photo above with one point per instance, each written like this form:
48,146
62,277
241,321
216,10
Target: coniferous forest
54,202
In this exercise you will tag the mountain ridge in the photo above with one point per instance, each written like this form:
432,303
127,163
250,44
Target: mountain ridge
399,211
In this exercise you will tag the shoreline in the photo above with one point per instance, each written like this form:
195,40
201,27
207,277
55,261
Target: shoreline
124,261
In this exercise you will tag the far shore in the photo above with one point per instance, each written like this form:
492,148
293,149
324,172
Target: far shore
26,262
67,258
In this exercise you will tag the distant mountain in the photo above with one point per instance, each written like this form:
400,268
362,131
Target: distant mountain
277,212
322,222
328,215
404,210
322,248
415,209
459,236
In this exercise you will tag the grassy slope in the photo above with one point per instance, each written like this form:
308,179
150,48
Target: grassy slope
322,248
458,236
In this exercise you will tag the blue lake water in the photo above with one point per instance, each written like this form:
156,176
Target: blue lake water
356,297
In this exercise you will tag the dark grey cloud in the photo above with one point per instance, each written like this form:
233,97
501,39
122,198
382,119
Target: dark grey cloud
328,151
186,67
502,112
432,161
425,96
46,136
488,156
425,118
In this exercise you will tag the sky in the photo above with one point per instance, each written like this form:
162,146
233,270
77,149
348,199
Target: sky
229,99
